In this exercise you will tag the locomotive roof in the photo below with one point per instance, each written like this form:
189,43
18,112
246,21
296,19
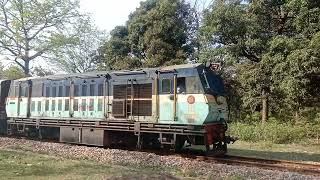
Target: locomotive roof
114,74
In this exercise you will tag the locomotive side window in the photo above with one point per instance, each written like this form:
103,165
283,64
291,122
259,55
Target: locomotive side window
39,105
47,105
99,104
66,104
33,106
83,105
91,105
59,104
75,105
166,85
53,105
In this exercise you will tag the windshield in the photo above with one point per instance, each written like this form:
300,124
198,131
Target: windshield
214,83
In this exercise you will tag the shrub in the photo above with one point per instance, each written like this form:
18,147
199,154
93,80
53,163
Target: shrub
280,133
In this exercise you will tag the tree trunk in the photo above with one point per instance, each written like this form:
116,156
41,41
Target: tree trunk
26,68
265,108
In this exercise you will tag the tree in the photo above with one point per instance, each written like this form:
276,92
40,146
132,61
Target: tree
13,72
30,29
271,44
116,51
156,34
79,56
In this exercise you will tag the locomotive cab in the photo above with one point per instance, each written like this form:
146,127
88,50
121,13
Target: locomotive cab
195,95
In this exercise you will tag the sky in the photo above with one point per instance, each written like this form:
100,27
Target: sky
106,14
109,13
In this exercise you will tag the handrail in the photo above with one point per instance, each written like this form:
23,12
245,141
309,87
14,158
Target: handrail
175,97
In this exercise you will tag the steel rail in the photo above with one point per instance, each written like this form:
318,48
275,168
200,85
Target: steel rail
281,165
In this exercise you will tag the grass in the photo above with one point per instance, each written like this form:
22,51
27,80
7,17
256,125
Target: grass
269,150
28,165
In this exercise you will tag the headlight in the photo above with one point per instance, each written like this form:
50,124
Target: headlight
220,100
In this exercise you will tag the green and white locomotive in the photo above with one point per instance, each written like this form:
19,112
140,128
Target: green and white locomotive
169,107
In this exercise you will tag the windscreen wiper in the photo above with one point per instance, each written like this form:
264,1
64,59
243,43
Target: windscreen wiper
205,78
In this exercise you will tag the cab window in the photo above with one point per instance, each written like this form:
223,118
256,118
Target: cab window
166,85
193,85
181,85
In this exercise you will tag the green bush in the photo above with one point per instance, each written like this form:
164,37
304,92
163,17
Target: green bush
279,133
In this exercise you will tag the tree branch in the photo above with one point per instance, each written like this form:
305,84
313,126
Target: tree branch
6,18
5,46
251,56
16,61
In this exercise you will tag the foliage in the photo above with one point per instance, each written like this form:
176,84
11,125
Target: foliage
115,52
30,29
280,133
157,33
13,72
40,71
79,56
271,46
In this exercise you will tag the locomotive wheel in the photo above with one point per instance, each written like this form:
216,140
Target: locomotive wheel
151,141
179,144
219,149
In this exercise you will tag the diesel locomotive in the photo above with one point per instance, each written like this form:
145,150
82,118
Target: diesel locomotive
168,107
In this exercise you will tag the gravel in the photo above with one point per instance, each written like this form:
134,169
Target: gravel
188,167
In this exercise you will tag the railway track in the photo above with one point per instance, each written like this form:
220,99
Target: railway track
310,168
281,165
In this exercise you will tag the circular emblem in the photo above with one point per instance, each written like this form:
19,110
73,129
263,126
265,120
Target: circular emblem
219,100
191,99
